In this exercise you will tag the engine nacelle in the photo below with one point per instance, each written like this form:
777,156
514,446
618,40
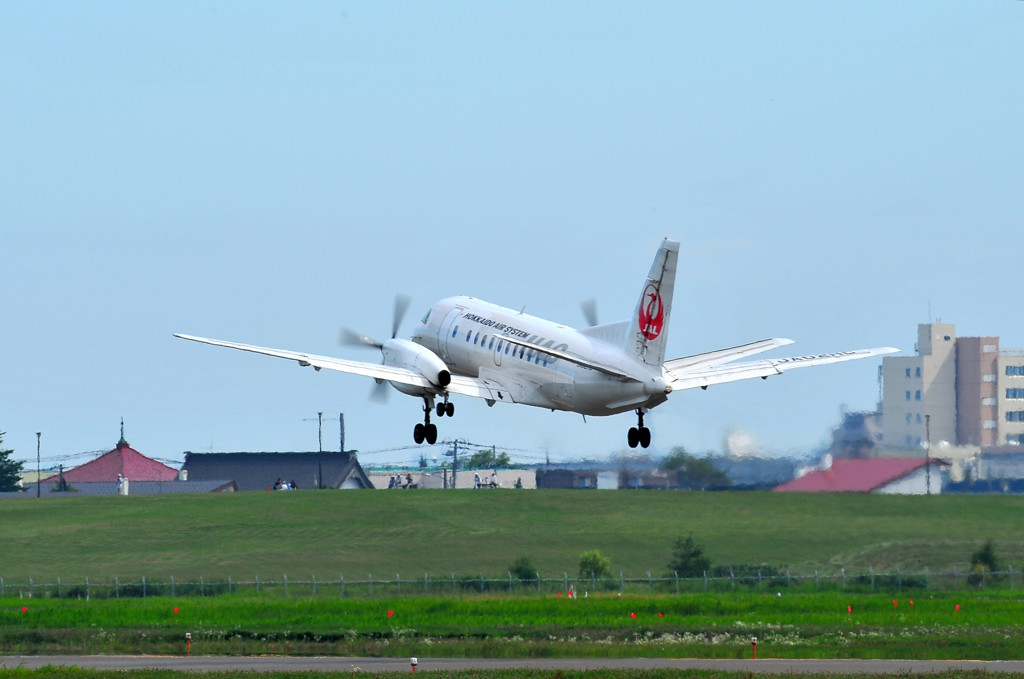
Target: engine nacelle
406,354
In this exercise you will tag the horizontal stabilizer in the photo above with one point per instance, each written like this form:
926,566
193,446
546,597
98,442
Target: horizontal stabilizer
705,375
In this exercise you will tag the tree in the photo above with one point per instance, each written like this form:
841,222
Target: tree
594,564
692,472
523,569
10,470
488,458
688,558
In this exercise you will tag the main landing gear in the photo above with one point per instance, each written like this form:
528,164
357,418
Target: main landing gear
639,434
427,431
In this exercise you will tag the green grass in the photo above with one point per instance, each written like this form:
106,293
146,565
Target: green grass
410,533
810,625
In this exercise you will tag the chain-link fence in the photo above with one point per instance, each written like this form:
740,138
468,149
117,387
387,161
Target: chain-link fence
722,580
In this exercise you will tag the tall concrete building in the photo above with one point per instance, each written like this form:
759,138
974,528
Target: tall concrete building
957,391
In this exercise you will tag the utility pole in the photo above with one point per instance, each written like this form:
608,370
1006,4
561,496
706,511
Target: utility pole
320,447
320,443
927,454
39,475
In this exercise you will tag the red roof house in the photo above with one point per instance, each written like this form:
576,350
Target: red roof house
123,460
870,475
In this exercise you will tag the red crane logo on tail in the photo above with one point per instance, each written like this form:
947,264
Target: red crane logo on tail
652,314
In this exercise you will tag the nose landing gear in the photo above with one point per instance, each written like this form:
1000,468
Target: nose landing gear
639,435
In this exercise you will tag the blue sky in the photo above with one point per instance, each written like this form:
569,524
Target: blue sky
269,172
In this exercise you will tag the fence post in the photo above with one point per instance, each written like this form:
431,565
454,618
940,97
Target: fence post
843,571
622,582
371,584
760,581
117,588
705,581
285,575
956,583
257,584
1010,567
341,583
815,578
677,581
453,582
202,586
871,571
172,585
229,584
789,579
538,582
58,586
426,583
398,579
510,581
565,581
143,586
732,577
314,584
650,583
87,589
1,587
927,579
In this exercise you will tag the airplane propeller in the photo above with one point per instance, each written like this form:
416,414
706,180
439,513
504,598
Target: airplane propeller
351,338
589,307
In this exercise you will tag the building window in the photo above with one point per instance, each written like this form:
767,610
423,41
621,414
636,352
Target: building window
1015,416
988,401
1015,393
988,378
908,417
989,348
917,372
917,395
908,372
1015,370
919,418
988,424
908,395
1015,438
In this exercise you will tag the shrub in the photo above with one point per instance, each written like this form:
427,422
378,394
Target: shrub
594,564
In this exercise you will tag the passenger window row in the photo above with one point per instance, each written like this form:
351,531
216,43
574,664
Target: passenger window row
508,346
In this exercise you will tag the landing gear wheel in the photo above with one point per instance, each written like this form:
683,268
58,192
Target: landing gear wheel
633,437
419,433
431,433
440,409
645,437
449,409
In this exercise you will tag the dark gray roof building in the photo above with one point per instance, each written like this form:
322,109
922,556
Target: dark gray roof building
259,471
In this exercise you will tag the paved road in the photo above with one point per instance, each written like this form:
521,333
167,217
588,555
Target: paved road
330,664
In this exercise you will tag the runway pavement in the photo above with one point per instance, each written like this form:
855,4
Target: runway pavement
332,664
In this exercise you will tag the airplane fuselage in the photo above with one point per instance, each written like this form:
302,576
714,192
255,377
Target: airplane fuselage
479,339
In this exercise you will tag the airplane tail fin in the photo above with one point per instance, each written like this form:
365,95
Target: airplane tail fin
648,331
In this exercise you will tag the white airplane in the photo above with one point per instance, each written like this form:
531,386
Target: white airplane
469,347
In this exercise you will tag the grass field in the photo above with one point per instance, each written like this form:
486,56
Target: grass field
324,534
961,625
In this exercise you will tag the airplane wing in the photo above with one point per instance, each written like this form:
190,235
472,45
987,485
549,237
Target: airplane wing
466,386
704,374
374,370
